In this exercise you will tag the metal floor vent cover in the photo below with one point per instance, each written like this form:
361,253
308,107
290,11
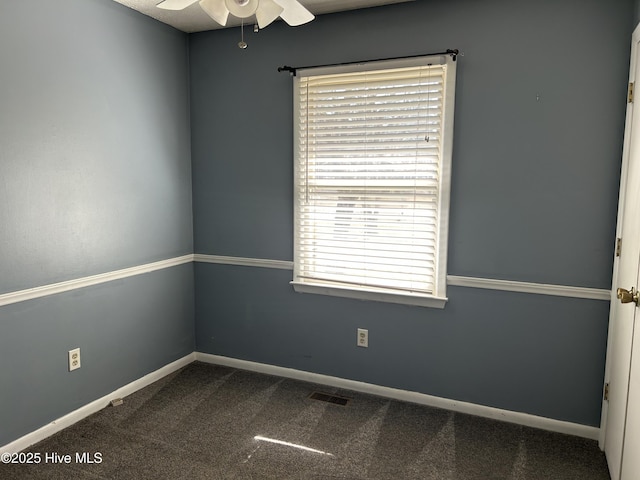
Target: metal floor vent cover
326,397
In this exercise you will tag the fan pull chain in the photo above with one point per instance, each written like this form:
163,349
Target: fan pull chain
242,44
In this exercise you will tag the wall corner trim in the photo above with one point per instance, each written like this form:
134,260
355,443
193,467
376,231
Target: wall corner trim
528,287
54,288
519,418
95,406
452,280
243,261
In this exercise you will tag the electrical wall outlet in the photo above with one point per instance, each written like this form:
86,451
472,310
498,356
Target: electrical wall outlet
74,359
363,337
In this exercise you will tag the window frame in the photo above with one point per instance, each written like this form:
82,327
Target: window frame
438,298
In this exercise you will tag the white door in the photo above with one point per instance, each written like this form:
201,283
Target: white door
621,413
631,445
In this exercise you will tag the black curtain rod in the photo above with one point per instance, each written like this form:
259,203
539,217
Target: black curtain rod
292,70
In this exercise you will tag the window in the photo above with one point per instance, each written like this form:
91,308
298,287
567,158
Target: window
372,153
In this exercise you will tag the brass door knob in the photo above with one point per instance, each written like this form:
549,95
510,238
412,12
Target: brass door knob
628,296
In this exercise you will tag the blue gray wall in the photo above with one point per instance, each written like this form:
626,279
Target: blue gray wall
95,176
538,138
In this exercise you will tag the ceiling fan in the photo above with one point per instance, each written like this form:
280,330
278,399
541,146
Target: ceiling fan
265,11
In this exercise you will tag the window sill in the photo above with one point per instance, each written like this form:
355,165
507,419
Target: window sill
404,298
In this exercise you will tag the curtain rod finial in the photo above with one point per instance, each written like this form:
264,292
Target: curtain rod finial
287,68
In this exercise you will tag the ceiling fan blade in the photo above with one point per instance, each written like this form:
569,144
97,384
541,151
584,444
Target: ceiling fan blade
216,9
175,4
294,13
267,12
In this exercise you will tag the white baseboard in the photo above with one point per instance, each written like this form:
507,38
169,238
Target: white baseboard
519,418
95,406
387,392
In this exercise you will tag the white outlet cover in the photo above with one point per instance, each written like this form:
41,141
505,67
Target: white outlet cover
74,359
363,337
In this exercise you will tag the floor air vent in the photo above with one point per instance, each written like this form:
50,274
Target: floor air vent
325,397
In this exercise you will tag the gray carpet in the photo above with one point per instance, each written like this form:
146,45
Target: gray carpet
212,422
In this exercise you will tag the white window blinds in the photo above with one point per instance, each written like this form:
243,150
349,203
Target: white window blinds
372,151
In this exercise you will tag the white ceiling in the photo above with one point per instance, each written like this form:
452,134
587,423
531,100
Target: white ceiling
194,19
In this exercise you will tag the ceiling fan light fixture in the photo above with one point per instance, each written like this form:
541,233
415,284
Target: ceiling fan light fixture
242,8
265,11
